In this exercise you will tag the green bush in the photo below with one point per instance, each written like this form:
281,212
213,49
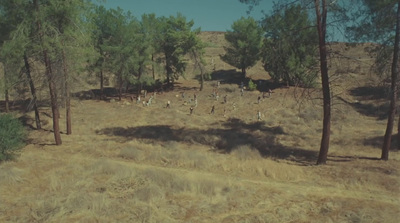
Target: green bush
12,136
252,85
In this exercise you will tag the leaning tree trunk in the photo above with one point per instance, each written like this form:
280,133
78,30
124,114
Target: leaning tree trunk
394,90
50,79
33,92
321,26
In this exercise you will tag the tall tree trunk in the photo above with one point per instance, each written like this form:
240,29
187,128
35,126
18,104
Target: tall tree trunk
50,79
101,85
321,26
53,99
7,102
198,62
244,72
394,89
398,135
33,92
67,95
6,94
201,81
140,87
120,80
152,67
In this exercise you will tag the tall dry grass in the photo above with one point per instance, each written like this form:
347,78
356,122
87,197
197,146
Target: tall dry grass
129,163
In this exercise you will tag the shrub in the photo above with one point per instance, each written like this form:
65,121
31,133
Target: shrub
252,85
12,136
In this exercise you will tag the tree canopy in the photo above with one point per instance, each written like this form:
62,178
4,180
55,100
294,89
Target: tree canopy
245,42
290,46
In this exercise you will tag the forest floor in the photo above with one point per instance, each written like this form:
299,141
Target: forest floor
126,162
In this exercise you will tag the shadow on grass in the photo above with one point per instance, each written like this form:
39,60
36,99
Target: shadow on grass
342,159
23,105
369,109
232,135
370,92
377,142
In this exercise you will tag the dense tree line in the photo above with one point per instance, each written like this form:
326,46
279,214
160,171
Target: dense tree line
69,37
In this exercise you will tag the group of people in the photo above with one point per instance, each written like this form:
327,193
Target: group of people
215,95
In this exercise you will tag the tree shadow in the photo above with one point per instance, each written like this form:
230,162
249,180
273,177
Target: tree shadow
342,159
369,109
377,142
108,92
234,134
370,92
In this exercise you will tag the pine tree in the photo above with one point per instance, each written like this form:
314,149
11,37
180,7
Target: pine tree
245,40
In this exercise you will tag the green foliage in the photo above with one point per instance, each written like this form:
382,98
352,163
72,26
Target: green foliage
176,39
289,51
376,23
252,86
245,41
12,136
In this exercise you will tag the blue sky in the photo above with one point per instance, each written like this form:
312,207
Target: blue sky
210,15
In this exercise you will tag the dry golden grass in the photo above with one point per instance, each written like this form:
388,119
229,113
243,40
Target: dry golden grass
129,163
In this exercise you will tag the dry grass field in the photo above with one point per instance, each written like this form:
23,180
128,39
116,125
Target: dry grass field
130,163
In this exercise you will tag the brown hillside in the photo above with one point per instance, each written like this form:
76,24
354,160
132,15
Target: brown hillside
126,162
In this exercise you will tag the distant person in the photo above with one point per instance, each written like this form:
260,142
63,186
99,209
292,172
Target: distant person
213,109
191,110
168,104
241,92
269,92
241,85
258,115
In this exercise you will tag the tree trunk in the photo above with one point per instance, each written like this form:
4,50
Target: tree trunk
33,92
120,80
53,98
7,102
244,72
101,85
394,90
140,87
321,26
50,79
67,95
398,135
152,66
6,94
198,63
